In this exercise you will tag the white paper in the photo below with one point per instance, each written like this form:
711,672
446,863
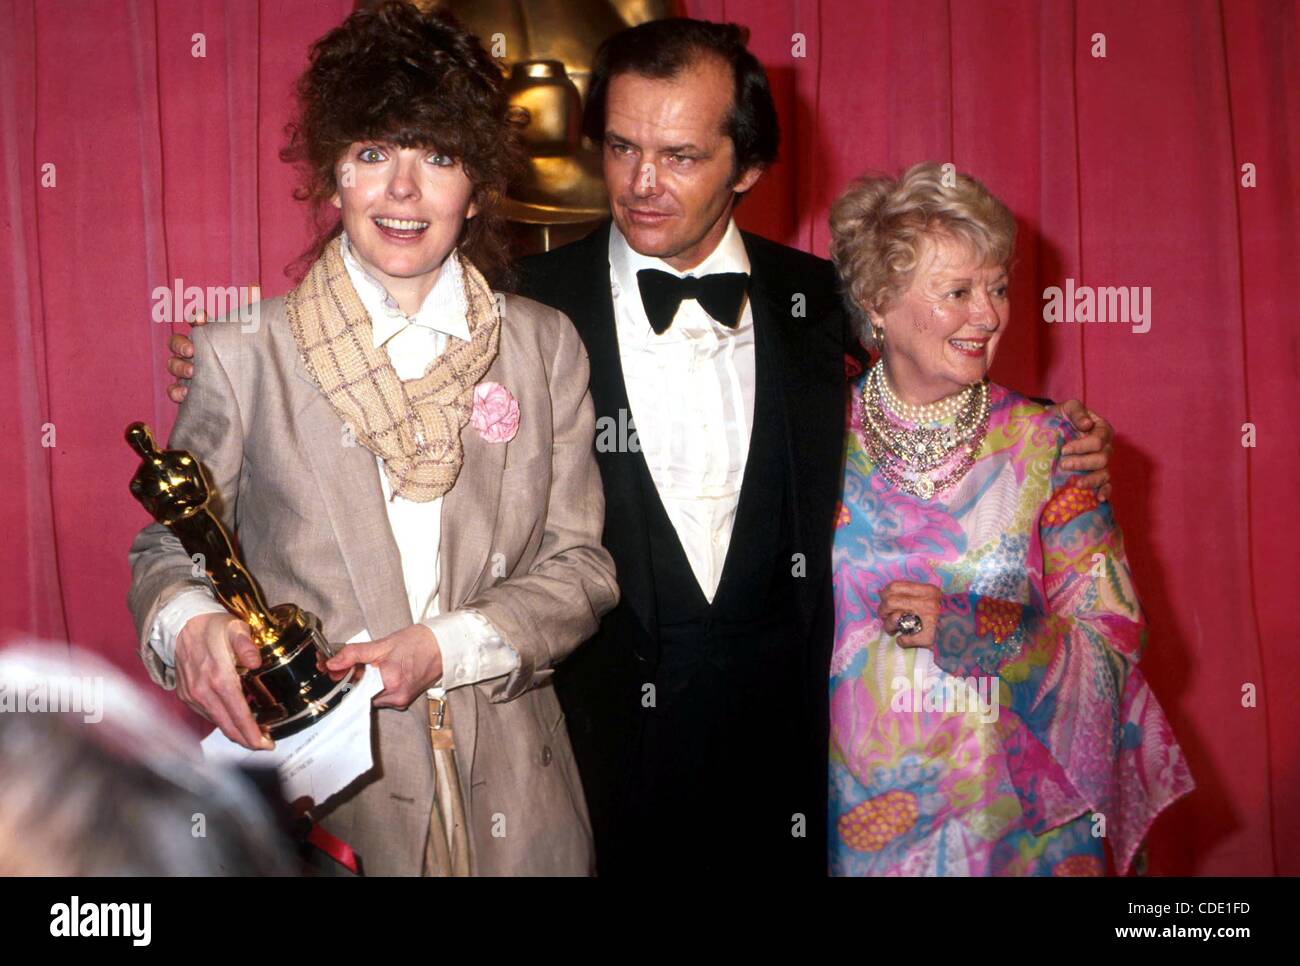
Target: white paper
320,761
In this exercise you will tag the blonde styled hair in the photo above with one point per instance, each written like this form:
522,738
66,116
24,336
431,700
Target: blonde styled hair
879,223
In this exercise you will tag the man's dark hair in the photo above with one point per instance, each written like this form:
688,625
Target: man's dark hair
664,48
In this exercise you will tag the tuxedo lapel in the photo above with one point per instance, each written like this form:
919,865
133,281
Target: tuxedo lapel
623,471
810,373
769,434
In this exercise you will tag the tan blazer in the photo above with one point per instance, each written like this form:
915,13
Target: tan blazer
307,512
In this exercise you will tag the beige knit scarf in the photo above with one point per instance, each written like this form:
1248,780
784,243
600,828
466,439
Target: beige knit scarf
414,427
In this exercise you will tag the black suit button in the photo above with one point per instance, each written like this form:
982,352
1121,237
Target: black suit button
546,755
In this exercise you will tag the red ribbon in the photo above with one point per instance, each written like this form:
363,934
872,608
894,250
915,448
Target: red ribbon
335,848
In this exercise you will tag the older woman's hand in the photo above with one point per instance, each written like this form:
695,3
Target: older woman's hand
901,597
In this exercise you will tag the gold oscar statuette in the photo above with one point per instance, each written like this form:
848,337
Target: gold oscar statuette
290,690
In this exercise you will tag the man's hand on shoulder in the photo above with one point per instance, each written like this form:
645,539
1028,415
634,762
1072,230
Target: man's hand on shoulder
179,364
1091,452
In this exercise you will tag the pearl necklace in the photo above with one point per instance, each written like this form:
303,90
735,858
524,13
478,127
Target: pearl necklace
942,411
913,445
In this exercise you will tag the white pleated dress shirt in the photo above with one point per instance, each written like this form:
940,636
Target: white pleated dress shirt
472,650
691,390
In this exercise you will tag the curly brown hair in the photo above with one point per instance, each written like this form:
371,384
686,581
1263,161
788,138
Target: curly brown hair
417,79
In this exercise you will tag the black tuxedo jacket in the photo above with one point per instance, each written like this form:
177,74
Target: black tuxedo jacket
800,337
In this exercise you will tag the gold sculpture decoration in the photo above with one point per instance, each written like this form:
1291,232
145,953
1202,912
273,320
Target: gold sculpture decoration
546,48
290,690
562,183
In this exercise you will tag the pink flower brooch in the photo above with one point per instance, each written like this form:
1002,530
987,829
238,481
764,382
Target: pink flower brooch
496,412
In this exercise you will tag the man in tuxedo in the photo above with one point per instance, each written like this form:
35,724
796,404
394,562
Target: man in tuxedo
698,712
717,375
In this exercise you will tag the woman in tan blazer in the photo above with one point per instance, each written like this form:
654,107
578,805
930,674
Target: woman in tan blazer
408,454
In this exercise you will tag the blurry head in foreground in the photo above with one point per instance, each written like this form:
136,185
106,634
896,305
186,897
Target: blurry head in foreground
99,780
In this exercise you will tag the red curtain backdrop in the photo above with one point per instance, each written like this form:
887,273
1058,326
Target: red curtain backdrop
130,163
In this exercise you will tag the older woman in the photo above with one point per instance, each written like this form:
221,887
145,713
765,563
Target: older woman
406,453
987,714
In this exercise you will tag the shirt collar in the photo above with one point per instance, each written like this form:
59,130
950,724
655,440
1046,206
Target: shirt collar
624,262
728,256
444,309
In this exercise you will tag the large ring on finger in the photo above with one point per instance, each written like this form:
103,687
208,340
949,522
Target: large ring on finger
908,625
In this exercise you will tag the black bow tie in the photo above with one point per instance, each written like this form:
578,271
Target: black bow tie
721,295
